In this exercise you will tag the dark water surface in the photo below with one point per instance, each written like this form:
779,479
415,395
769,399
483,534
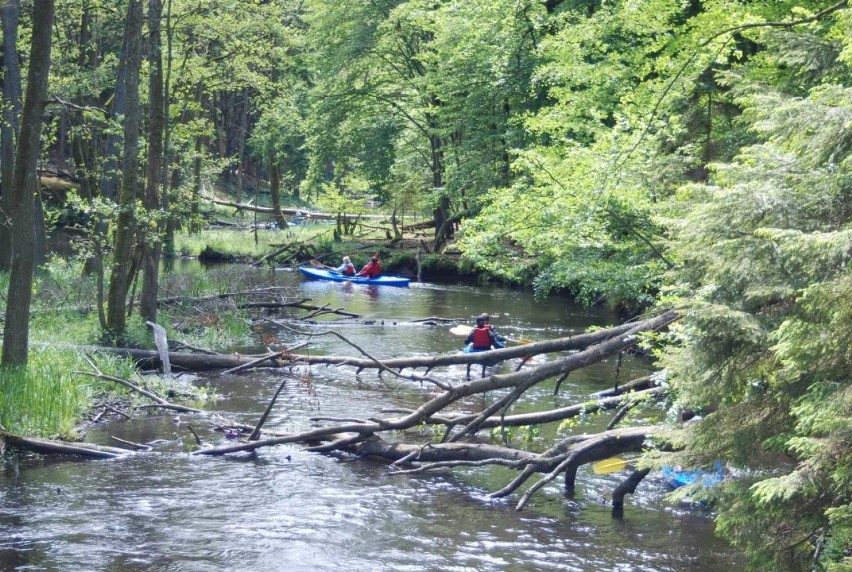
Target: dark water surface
287,509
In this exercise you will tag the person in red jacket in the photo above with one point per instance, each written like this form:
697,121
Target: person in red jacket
501,341
373,269
482,337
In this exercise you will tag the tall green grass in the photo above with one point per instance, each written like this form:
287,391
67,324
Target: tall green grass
48,398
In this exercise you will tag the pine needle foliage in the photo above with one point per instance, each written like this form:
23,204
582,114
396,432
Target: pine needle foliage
763,273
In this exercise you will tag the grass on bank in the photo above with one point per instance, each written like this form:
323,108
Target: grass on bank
48,398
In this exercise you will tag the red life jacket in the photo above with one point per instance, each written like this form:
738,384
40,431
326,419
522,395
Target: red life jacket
349,270
481,339
371,270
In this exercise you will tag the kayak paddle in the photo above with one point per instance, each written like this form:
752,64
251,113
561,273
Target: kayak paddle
609,465
461,330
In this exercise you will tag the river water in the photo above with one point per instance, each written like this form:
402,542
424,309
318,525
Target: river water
286,509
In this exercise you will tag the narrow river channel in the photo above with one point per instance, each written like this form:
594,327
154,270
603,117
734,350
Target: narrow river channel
287,509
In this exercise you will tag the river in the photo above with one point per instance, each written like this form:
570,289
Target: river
286,509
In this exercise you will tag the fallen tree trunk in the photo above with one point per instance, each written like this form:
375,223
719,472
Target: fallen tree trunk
290,212
551,416
151,359
361,436
270,291
591,355
637,384
279,305
266,210
38,445
571,454
422,225
489,358
270,357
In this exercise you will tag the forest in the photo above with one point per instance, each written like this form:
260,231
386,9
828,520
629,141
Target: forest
683,160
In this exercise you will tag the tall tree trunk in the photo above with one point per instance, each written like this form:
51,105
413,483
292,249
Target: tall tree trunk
109,170
171,220
443,227
16,329
275,189
83,141
151,248
167,194
116,299
39,228
9,13
241,146
61,146
194,209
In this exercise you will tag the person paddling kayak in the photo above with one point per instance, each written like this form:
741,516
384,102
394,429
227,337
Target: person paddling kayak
482,338
373,269
347,268
500,339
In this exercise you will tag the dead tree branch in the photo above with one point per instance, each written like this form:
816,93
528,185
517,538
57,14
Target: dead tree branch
255,434
637,384
375,361
628,485
132,386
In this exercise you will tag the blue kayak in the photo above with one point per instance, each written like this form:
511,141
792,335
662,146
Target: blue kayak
323,274
680,478
469,349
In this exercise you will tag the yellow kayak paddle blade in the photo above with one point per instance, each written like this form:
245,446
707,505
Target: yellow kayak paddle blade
609,465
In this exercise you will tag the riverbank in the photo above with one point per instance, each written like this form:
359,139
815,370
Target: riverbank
411,257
